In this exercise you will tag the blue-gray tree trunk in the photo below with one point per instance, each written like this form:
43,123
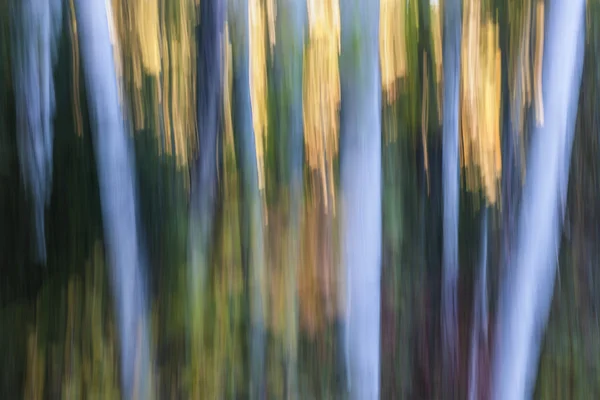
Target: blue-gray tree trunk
451,186
116,177
209,81
35,29
360,153
479,324
527,290
253,258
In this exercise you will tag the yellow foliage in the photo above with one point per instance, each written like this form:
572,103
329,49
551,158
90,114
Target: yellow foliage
147,29
539,53
261,18
321,92
436,33
392,44
519,73
480,101
155,39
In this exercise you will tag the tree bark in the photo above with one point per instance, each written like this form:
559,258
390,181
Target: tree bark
203,197
451,186
253,257
479,324
360,124
527,293
114,157
35,30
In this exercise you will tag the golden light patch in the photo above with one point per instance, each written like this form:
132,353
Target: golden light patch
436,34
156,60
480,101
392,45
258,25
321,91
539,54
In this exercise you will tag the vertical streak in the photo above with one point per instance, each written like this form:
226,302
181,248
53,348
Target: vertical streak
253,258
116,178
525,296
360,124
35,27
450,185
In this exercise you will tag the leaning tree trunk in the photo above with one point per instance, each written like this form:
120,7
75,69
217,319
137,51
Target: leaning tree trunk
209,75
35,29
451,185
360,124
253,258
116,179
527,293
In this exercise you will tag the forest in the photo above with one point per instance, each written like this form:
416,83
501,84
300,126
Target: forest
299,199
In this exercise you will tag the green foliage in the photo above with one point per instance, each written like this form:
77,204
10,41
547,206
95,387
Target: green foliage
70,339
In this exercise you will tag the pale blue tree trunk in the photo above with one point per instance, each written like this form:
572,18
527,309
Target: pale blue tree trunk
360,154
35,30
451,186
114,158
253,257
526,294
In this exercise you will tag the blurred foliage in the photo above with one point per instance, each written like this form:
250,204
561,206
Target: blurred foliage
321,95
155,57
480,99
61,336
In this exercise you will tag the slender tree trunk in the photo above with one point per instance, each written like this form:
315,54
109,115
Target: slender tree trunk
479,324
114,157
209,81
527,293
451,186
35,28
510,166
253,258
361,191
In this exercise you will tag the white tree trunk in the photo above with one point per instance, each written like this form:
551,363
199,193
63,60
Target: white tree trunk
527,292
360,123
117,193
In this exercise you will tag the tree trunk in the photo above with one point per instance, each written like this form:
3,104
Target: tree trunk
253,258
114,158
479,324
527,293
209,81
35,29
360,124
451,186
